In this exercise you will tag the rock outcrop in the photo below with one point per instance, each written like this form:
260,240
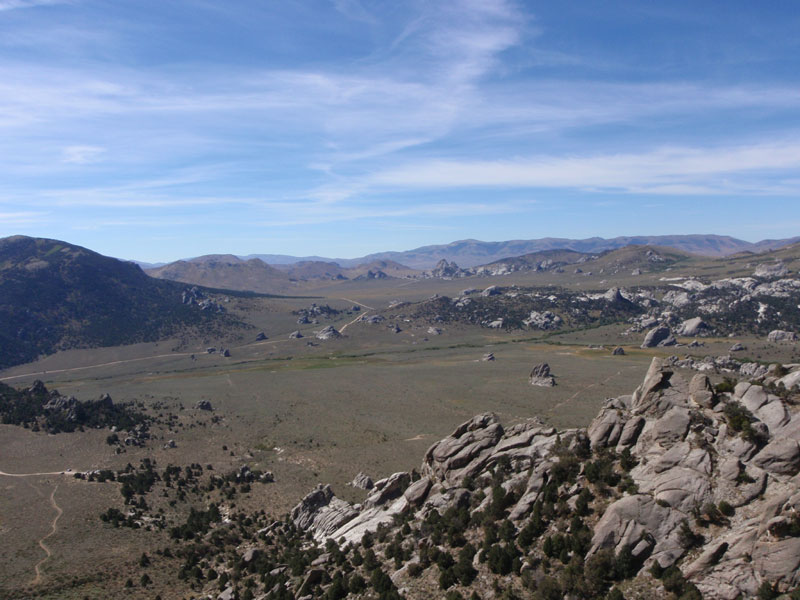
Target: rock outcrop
362,481
693,327
329,332
693,455
544,320
447,270
541,376
659,337
711,484
767,270
778,335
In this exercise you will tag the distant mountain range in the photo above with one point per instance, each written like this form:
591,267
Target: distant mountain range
471,253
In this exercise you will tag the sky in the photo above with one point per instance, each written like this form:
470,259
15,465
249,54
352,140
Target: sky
155,130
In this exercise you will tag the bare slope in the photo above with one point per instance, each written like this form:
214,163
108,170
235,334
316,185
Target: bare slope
227,272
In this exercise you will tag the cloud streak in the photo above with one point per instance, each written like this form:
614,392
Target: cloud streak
666,170
17,4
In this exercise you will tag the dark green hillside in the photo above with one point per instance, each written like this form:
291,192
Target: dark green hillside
41,409
54,296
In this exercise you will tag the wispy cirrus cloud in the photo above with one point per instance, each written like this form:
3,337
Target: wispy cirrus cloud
21,217
81,155
15,4
671,170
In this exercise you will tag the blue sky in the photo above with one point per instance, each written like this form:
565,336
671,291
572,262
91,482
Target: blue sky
157,130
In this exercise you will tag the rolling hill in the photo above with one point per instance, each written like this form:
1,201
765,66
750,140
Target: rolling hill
54,295
226,271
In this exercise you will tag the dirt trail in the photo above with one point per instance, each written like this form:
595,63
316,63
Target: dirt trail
53,529
358,318
129,360
591,385
108,364
359,303
65,472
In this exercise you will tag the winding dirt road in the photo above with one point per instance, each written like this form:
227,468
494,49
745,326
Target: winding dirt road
53,526
53,529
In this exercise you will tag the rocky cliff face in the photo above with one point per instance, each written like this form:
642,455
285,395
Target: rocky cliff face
676,489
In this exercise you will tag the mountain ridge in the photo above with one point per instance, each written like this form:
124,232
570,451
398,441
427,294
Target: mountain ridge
472,252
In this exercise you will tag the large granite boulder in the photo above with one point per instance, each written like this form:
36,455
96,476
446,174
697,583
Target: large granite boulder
659,337
693,328
541,376
778,335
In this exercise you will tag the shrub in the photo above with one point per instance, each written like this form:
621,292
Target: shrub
626,460
687,538
447,578
727,385
767,592
500,559
726,509
582,503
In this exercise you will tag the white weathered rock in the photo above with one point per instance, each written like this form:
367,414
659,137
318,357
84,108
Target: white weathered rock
754,398
791,380
781,456
638,518
322,512
328,332
606,429
776,269
362,481
693,327
701,392
387,489
659,337
544,320
541,376
778,335
416,493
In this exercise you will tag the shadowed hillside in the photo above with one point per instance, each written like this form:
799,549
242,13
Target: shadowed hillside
54,296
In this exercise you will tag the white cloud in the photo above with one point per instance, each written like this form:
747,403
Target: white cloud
14,4
353,9
81,155
667,170
21,217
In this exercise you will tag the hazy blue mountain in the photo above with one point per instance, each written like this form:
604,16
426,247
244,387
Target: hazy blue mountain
471,253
